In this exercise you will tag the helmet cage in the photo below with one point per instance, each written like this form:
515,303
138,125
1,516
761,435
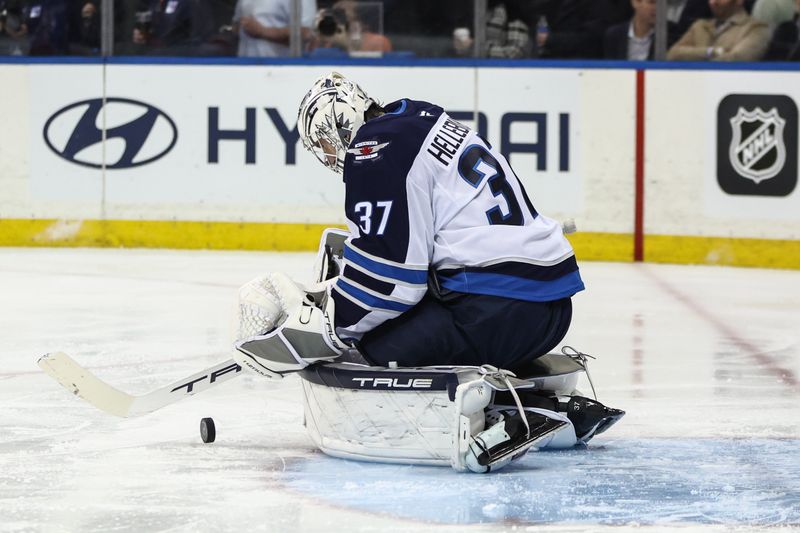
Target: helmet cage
329,116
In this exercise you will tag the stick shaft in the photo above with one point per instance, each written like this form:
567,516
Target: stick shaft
86,385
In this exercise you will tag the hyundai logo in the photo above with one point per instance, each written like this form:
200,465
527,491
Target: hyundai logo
136,133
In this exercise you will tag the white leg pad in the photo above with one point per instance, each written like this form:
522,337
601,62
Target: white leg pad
381,426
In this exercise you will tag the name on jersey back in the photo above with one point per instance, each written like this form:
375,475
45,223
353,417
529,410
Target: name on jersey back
447,141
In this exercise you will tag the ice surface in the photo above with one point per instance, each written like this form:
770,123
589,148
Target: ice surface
705,360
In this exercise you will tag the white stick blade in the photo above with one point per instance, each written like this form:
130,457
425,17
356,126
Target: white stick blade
86,385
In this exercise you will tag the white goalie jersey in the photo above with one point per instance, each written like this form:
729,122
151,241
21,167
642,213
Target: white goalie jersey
425,193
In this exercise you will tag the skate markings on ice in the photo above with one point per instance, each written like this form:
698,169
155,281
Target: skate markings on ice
748,482
691,384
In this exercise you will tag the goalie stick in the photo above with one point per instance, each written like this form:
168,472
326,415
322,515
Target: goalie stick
97,392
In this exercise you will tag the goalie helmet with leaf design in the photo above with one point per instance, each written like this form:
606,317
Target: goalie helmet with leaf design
329,117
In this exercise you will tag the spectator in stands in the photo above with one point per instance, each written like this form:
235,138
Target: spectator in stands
85,37
52,27
175,27
47,25
681,14
507,32
348,27
13,29
223,41
363,36
634,39
330,37
732,35
84,26
263,26
575,29
785,43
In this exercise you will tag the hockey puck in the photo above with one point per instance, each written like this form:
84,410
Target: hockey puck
208,432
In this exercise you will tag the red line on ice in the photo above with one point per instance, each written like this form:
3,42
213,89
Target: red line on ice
785,375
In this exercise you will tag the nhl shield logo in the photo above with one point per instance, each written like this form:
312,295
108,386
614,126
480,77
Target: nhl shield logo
757,144
757,149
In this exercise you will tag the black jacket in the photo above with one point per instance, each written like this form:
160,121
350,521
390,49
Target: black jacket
615,42
694,9
785,42
576,29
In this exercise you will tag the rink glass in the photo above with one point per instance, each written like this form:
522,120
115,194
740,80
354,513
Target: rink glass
316,29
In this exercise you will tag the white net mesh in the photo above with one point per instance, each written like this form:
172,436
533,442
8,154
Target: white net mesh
260,309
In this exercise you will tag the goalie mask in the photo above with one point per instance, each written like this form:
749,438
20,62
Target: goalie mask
329,117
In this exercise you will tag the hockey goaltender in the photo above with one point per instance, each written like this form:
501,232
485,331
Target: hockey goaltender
427,338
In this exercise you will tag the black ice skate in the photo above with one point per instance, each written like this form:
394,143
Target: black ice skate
590,417
508,439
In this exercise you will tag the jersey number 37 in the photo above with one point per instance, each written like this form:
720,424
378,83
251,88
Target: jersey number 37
364,211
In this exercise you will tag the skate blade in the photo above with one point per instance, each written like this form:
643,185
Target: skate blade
537,435
609,421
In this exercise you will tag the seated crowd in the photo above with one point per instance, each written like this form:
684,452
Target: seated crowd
697,30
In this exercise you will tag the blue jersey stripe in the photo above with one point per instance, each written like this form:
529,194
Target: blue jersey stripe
519,269
417,277
514,287
370,300
399,111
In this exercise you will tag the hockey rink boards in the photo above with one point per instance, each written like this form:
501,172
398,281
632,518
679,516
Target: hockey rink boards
705,360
